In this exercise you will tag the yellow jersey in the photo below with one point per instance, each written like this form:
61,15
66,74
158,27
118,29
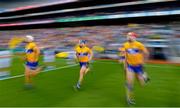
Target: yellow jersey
32,52
134,52
83,53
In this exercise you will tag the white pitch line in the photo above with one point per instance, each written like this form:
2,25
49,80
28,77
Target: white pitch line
17,76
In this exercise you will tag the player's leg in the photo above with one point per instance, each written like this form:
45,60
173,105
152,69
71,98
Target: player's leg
36,71
139,75
146,77
27,75
82,73
28,80
87,68
129,85
81,76
140,79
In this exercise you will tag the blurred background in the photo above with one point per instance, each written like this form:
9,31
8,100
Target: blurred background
62,23
58,25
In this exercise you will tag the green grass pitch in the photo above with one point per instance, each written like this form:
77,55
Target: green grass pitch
103,87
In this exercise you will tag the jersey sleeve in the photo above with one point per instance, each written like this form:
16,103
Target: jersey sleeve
36,49
30,48
143,48
89,51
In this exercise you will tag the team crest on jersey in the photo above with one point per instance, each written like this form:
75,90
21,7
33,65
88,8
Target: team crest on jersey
132,51
29,51
83,54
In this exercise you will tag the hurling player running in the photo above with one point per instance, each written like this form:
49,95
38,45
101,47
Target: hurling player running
84,56
32,57
136,53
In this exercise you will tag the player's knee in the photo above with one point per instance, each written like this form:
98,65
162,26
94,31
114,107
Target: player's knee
27,73
82,71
